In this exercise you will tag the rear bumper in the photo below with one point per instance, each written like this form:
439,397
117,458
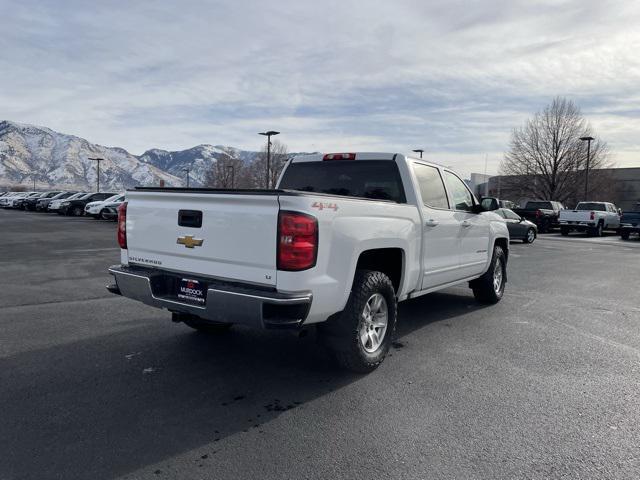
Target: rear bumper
225,302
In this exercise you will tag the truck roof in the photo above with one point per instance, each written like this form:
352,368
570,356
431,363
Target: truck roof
318,157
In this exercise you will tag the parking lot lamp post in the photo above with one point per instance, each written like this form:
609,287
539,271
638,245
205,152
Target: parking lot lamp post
269,134
586,178
420,151
187,170
98,160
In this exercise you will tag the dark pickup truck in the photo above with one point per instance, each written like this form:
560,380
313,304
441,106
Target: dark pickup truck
544,213
630,223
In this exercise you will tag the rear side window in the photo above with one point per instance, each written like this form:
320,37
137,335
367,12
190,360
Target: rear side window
431,186
375,179
542,205
598,207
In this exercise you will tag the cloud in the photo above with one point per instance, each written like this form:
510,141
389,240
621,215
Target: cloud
453,77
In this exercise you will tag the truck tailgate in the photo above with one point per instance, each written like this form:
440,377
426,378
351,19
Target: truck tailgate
575,216
238,233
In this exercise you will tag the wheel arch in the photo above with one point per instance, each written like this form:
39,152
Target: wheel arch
388,260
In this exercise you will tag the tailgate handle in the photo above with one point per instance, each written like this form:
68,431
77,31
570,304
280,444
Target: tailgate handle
190,218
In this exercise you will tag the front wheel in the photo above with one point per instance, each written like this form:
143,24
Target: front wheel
624,234
361,335
77,211
531,236
564,231
489,288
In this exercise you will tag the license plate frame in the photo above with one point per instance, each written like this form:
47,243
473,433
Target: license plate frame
192,291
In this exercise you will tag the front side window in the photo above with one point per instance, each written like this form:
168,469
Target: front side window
460,194
431,186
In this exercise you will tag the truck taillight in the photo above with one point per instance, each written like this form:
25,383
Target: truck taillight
297,241
593,215
122,225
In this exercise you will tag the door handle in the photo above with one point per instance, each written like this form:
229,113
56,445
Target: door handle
431,223
466,223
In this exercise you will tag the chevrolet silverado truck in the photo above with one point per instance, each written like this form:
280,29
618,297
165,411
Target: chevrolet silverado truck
341,240
590,217
543,213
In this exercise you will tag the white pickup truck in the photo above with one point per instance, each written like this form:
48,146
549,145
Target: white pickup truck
342,239
590,217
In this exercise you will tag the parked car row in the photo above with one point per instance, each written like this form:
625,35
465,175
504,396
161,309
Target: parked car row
99,205
592,218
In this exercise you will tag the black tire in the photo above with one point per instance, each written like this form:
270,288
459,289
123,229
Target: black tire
342,334
77,211
530,237
483,287
206,326
102,215
624,234
596,231
564,231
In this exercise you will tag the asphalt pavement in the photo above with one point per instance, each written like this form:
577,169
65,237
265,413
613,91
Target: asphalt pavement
95,386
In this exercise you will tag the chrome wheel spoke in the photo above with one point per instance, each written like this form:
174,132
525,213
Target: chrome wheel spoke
375,318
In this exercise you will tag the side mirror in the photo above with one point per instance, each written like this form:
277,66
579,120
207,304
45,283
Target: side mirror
489,204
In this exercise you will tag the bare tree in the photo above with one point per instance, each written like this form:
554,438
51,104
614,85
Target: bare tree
227,172
546,158
279,156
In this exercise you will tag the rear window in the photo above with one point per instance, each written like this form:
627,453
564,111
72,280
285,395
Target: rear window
598,207
543,205
375,179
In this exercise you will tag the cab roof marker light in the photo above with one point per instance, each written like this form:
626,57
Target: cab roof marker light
339,156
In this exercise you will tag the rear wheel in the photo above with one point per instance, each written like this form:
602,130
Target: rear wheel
361,335
624,234
531,236
597,231
489,288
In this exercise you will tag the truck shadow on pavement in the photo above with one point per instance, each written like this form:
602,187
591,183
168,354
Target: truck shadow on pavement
117,403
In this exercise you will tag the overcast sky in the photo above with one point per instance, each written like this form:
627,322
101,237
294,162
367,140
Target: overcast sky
452,77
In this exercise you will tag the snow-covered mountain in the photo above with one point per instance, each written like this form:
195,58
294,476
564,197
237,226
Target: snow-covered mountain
198,160
59,160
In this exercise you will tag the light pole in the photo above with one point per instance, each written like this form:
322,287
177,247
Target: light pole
586,178
420,151
232,169
97,160
269,134
187,170
33,177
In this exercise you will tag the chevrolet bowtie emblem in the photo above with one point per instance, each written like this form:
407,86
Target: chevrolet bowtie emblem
190,242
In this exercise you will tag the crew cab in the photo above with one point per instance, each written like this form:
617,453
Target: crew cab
544,213
590,217
336,245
